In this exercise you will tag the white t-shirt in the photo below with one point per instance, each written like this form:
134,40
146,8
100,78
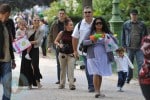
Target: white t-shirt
123,63
82,33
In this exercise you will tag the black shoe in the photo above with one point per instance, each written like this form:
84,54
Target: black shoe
57,82
72,87
91,90
74,79
128,81
97,95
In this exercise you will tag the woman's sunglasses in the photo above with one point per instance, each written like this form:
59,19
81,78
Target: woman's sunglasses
98,23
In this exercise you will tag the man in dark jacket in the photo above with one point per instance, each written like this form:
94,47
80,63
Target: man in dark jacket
133,32
7,61
56,27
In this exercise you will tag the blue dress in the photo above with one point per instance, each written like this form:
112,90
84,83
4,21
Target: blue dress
99,63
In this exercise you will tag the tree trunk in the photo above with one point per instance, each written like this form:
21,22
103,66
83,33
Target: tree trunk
86,3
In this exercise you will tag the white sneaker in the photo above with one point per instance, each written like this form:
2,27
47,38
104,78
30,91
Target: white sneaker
27,56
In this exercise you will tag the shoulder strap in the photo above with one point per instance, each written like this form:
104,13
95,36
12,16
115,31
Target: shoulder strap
79,24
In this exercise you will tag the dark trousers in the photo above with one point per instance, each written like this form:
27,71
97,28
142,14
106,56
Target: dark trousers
6,78
43,46
146,90
57,61
121,78
89,77
34,54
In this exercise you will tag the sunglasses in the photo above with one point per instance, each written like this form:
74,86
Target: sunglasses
88,12
98,23
36,20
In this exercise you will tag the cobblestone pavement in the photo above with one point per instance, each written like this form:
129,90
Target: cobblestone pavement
50,90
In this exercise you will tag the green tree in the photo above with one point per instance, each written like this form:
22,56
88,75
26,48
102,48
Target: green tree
23,4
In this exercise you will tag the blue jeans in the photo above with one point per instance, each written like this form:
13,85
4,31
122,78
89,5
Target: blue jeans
121,78
138,54
6,78
57,61
89,77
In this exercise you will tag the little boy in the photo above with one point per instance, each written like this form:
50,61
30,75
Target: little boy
122,62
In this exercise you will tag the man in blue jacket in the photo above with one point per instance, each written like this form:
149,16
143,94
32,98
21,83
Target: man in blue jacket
133,32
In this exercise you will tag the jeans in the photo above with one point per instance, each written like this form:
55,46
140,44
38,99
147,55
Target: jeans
89,77
121,78
138,54
57,61
6,78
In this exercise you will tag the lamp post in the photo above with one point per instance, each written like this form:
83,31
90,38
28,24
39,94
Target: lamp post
116,21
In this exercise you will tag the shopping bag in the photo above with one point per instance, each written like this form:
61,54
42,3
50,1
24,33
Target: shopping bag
21,44
110,43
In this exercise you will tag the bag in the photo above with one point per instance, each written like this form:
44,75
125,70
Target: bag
110,56
84,45
65,49
21,44
110,43
83,48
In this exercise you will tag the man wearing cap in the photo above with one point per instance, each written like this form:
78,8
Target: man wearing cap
132,34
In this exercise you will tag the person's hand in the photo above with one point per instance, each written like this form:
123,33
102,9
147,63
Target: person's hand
75,53
49,50
13,64
60,45
33,42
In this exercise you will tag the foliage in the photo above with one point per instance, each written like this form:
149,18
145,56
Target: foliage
141,5
23,4
73,11
102,8
52,12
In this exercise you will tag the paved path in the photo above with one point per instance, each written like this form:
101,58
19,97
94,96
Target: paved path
50,90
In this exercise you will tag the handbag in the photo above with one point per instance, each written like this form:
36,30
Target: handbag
110,56
21,44
110,43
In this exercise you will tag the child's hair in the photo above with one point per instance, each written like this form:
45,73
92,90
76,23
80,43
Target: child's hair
121,49
22,21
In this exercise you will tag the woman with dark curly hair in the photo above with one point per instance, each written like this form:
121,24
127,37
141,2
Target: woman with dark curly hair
98,63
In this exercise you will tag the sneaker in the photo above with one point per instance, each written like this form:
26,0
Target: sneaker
120,89
91,90
72,87
27,57
38,84
58,82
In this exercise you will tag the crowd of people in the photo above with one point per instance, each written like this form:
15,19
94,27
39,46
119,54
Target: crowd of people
65,39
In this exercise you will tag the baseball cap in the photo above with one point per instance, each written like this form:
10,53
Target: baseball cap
134,11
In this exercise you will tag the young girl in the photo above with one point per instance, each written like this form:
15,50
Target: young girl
122,62
21,32
66,57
